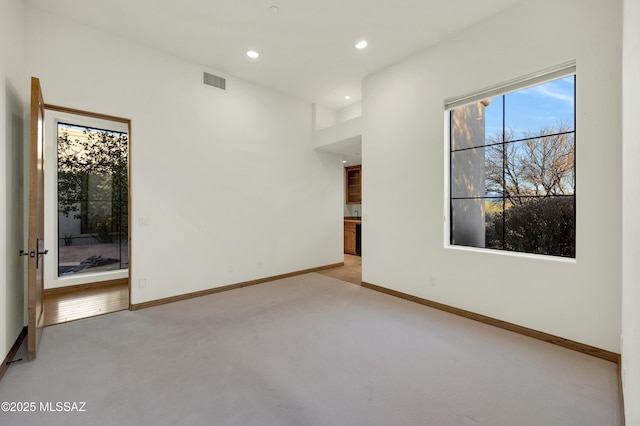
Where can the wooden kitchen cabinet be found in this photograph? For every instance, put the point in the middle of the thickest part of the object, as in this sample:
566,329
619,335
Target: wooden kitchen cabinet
353,179
350,238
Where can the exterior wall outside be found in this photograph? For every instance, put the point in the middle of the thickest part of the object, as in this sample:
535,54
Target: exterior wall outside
468,172
404,119
68,225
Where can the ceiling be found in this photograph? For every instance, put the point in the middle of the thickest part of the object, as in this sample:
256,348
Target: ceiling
306,48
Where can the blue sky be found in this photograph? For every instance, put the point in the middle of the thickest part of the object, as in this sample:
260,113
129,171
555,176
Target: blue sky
533,108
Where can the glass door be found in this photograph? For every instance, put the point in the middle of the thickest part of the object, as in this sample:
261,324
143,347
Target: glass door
93,182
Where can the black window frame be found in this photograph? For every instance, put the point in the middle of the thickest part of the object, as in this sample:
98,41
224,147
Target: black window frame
503,144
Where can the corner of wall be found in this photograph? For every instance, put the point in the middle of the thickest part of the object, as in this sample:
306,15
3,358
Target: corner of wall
12,119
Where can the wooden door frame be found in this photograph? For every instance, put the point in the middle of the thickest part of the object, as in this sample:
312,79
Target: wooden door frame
126,121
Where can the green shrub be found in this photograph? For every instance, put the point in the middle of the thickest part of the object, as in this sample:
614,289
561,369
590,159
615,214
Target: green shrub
541,226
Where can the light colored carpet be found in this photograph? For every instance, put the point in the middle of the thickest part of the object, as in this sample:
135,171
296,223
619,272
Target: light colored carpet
307,350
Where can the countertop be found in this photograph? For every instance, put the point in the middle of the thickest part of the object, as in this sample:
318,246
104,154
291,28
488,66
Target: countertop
352,220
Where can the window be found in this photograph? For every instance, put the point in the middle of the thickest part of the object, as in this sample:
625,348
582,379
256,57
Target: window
92,199
512,166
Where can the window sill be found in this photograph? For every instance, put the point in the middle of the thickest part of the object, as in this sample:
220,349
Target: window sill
531,256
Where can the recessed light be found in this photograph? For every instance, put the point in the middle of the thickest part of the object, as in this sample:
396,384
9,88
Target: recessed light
344,161
252,54
347,97
361,44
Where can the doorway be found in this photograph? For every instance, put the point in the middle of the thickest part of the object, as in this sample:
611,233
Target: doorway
87,206
353,219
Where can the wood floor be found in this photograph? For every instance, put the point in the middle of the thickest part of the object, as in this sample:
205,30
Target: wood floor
65,306
350,272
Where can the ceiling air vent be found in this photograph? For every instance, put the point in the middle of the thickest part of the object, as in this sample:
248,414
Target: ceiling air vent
214,80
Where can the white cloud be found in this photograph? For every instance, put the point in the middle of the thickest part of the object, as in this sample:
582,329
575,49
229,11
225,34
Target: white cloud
550,90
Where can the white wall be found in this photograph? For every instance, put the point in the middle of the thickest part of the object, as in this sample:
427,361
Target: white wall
404,120
340,134
323,117
12,149
630,209
351,111
228,182
326,117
